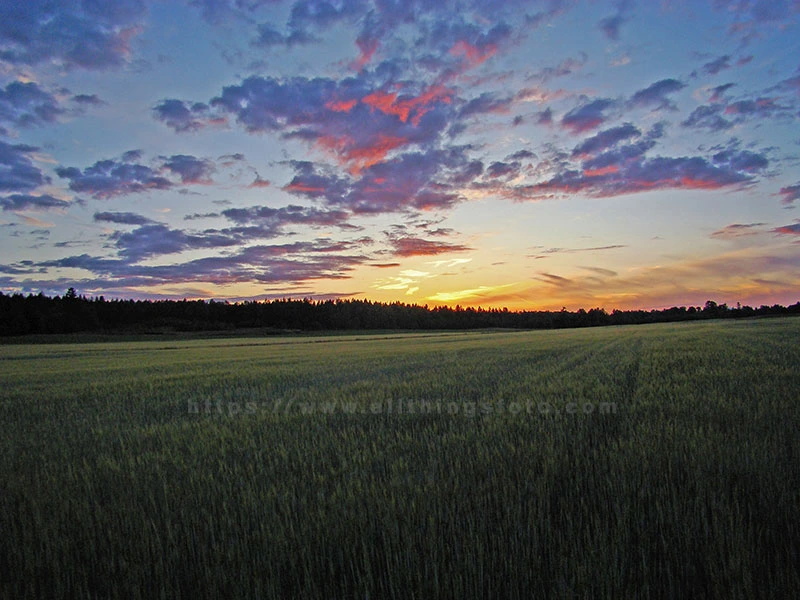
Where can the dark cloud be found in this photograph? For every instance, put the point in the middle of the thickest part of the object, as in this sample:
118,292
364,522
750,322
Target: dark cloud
761,108
190,168
709,117
717,65
122,218
486,103
717,94
272,221
611,25
588,116
32,202
27,104
88,100
17,171
656,95
351,120
109,178
521,155
790,194
637,175
185,116
741,160
414,180
500,169
155,239
90,35
606,139
308,18
413,246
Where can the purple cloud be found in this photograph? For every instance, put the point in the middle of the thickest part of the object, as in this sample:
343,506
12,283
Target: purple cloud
606,139
89,35
793,229
27,104
31,202
17,171
790,194
155,239
587,116
122,218
184,116
109,178
709,117
656,95
741,160
190,169
717,65
611,25
637,175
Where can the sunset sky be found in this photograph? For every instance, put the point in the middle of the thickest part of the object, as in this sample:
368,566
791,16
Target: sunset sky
528,154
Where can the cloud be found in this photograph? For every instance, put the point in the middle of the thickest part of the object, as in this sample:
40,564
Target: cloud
717,65
410,181
190,169
119,177
352,121
413,246
481,293
109,178
741,160
185,116
588,116
717,93
265,221
88,35
656,95
487,102
709,117
122,218
500,169
790,194
155,239
27,105
738,230
87,100
793,229
606,139
31,202
308,17
750,17
219,11
762,108
637,175
285,263
578,250
17,171
610,26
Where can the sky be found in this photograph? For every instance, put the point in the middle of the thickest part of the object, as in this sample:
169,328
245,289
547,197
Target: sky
528,154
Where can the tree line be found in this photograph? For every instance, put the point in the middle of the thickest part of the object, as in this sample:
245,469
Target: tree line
72,313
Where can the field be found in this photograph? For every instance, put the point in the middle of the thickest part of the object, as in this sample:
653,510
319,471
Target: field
619,462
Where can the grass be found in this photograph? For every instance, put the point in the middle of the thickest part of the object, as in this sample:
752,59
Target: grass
648,461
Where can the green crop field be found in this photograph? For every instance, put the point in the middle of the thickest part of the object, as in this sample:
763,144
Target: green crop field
619,462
